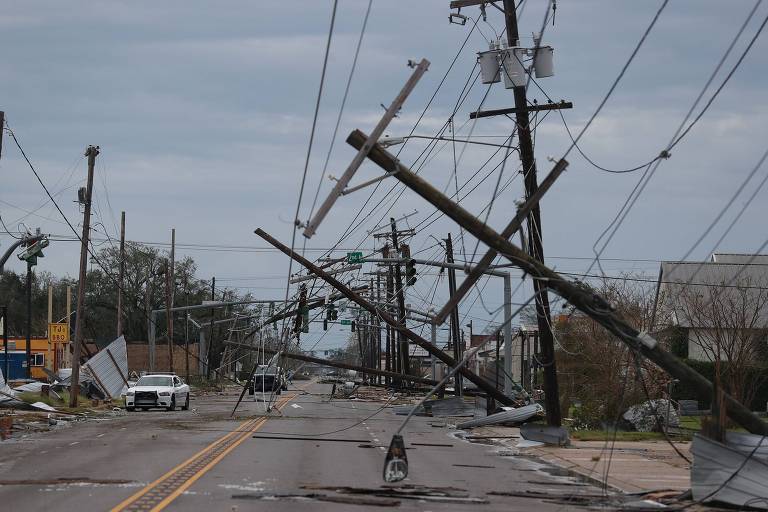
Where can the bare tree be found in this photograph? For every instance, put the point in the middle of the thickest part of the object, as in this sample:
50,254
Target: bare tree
726,323
596,369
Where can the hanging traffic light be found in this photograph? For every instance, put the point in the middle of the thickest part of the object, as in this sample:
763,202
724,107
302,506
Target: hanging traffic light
33,251
353,326
410,265
325,324
410,272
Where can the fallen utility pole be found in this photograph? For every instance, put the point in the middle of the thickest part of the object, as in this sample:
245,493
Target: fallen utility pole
480,382
377,132
91,153
581,296
334,364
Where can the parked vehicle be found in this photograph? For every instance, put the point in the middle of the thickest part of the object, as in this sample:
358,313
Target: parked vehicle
268,379
158,390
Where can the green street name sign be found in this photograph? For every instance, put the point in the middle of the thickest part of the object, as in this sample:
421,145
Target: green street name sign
346,322
354,257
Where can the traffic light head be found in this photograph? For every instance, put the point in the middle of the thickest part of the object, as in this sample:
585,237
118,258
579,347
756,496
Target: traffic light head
33,251
410,272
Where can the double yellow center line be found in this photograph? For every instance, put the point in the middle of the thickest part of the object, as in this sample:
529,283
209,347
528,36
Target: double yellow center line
159,494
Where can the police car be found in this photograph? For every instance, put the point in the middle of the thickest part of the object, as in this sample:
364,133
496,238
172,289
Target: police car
154,390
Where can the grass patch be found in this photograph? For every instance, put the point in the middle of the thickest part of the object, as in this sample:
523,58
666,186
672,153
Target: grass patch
691,422
607,435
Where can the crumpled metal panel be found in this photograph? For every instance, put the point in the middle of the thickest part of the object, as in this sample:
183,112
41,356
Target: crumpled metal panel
106,375
5,388
512,416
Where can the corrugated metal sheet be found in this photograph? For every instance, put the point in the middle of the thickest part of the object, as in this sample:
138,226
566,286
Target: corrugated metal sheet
107,375
5,388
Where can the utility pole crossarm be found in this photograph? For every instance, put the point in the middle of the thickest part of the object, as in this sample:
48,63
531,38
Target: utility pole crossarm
514,110
481,383
578,294
377,132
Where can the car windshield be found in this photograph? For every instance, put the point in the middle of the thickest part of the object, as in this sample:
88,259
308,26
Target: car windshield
155,380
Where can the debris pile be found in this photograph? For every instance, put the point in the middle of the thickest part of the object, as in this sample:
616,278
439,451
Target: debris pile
652,415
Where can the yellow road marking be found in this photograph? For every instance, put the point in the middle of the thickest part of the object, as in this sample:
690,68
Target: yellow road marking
243,430
204,470
154,484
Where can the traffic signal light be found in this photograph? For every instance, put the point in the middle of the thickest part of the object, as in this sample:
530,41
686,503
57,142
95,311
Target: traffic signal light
353,326
325,324
410,272
33,251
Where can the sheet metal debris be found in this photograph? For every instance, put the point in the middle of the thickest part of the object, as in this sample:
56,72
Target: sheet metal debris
557,436
518,415
454,406
109,367
734,474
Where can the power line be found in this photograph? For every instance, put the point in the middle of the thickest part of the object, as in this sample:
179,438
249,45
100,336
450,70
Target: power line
648,174
341,110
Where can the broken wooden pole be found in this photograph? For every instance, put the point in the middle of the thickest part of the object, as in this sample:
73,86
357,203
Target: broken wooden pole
480,382
580,295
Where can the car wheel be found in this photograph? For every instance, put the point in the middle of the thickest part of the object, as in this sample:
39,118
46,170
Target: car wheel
173,404
185,407
130,409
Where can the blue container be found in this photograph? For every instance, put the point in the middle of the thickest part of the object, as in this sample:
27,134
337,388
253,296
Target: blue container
17,365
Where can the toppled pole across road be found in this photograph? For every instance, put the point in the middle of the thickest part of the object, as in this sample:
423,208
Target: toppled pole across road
480,382
580,295
334,364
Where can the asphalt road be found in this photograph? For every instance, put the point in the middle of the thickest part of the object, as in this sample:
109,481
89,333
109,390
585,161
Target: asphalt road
204,460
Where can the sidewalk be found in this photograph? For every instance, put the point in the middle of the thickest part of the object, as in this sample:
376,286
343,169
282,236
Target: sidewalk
633,466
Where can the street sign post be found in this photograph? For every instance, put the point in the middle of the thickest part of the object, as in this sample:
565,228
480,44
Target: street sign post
346,322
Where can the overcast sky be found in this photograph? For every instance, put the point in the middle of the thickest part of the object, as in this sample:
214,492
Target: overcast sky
203,112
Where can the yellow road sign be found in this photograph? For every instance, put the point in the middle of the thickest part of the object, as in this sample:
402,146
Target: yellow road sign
58,333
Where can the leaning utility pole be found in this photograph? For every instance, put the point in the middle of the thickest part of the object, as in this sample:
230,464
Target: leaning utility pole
5,343
170,284
29,320
402,342
535,244
516,78
581,296
480,382
458,385
209,351
91,153
121,277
